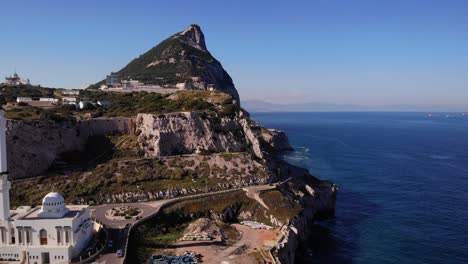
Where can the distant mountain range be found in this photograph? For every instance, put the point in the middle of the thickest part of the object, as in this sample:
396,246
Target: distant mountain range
263,106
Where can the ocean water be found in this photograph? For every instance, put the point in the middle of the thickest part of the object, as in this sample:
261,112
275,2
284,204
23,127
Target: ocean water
402,178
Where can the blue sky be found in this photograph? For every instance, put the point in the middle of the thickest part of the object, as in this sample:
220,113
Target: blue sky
411,52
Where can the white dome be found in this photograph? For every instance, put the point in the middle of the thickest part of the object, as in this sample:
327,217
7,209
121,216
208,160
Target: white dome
53,205
53,198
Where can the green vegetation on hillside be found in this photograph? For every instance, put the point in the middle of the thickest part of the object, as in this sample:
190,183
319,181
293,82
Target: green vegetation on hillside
281,207
177,62
10,93
121,104
130,104
112,164
164,229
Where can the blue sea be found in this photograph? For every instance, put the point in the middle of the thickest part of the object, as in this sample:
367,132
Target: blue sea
402,178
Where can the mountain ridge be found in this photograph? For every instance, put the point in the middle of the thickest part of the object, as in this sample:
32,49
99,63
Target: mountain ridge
181,60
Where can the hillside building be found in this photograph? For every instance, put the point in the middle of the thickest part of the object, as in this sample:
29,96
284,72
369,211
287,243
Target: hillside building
49,99
53,233
70,92
23,99
113,80
14,79
131,84
69,100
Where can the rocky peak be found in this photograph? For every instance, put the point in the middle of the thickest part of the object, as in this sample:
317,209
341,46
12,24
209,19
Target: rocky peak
181,61
193,36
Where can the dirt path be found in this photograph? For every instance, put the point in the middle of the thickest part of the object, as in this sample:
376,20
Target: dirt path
215,253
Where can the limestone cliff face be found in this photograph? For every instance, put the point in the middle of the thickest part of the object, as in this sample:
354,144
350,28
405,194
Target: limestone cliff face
33,146
191,132
318,199
187,133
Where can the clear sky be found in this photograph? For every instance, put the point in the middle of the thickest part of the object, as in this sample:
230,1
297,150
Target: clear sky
348,52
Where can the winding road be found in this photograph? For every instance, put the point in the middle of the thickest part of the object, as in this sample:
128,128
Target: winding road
118,230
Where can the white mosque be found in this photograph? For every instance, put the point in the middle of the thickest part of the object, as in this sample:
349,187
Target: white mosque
53,233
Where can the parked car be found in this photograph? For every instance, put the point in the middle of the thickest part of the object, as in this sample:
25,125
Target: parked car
110,243
119,253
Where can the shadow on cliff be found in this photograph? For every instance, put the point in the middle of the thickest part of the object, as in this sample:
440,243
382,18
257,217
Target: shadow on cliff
337,240
98,149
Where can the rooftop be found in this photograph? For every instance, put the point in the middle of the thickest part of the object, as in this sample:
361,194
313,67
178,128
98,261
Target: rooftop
33,214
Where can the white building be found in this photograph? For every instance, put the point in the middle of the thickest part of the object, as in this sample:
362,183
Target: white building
23,99
52,233
49,99
69,100
14,79
131,84
70,92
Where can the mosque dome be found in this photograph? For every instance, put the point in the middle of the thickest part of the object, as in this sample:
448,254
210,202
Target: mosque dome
53,205
53,198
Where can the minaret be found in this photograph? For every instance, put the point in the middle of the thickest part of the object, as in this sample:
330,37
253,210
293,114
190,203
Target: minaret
4,183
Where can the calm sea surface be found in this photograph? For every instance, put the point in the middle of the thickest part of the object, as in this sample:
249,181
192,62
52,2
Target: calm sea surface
402,178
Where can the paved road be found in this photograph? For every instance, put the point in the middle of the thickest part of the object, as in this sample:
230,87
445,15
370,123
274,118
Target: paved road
118,232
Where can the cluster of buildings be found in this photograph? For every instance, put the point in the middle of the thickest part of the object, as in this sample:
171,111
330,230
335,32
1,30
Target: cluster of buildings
15,80
69,98
46,102
52,233
114,83
113,80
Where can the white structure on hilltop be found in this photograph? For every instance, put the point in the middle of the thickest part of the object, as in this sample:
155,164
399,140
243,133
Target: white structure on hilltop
53,233
14,79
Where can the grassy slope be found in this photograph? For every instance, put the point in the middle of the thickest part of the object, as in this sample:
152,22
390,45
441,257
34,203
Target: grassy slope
110,164
122,104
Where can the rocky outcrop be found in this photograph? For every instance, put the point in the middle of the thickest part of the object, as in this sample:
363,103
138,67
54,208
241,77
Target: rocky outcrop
191,132
187,133
34,145
318,201
193,36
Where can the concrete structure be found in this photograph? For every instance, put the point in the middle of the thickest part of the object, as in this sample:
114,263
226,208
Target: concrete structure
52,233
113,80
69,100
182,86
23,99
49,99
131,84
70,92
14,79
